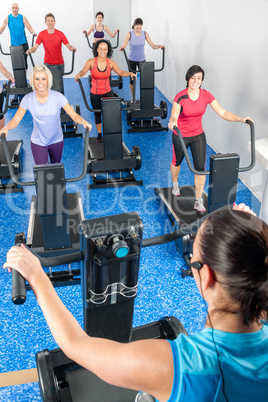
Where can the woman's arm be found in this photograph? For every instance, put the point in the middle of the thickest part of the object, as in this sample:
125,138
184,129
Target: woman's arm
127,38
227,115
6,73
148,39
14,122
114,66
76,117
112,35
143,365
88,66
175,112
91,29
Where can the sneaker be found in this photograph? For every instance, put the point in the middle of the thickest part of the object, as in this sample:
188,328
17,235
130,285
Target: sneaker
99,138
199,205
143,397
175,191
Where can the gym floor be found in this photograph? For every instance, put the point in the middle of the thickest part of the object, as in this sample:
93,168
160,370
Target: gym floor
161,290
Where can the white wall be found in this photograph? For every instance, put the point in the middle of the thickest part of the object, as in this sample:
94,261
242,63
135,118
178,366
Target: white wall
71,18
227,38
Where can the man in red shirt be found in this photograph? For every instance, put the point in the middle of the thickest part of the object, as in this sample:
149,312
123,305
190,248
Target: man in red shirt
52,40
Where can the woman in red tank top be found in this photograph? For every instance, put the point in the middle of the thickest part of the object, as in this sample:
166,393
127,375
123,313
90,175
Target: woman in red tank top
100,67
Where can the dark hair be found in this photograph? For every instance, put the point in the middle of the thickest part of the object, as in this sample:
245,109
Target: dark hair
49,15
96,45
192,71
234,244
99,13
137,21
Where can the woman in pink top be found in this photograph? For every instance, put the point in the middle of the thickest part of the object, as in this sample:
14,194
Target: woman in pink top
188,109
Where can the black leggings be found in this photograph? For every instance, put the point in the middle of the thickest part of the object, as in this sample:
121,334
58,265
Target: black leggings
133,66
198,148
25,48
96,104
1,104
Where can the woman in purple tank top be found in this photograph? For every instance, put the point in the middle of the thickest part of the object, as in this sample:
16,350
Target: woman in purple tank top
45,106
99,28
136,39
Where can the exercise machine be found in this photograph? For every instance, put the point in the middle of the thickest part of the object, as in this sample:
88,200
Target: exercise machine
69,127
222,189
144,116
54,214
115,81
21,87
110,249
112,155
15,149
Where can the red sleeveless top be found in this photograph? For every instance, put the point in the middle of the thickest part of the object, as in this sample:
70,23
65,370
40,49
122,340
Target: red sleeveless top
100,79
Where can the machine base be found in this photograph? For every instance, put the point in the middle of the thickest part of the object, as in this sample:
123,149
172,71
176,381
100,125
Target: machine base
62,380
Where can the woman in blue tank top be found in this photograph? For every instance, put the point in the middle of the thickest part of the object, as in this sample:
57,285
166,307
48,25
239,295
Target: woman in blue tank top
227,361
99,28
136,39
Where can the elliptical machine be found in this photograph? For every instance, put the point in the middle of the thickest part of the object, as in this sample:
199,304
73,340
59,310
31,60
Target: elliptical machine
110,254
15,150
222,189
112,155
21,87
143,117
55,214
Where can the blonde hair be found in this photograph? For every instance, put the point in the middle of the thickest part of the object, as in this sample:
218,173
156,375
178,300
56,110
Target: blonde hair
41,67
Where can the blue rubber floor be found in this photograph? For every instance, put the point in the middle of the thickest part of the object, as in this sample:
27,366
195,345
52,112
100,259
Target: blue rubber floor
161,290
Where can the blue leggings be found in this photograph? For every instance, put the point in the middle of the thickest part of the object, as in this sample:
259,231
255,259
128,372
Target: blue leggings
40,154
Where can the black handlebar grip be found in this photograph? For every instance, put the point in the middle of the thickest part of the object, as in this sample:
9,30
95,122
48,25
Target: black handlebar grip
18,282
18,288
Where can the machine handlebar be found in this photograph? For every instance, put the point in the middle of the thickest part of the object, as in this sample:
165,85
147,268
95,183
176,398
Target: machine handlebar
7,98
91,47
32,183
1,50
163,61
33,36
30,55
18,282
10,166
252,146
131,105
72,66
155,70
84,172
241,169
